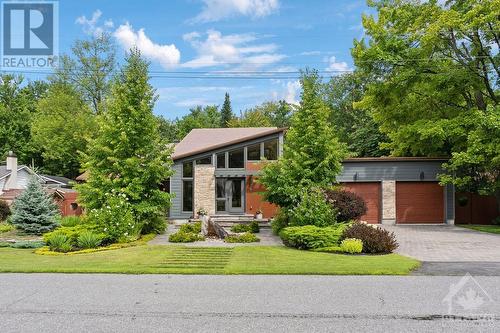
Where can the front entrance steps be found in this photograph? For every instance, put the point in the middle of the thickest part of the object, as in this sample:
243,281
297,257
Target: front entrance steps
227,221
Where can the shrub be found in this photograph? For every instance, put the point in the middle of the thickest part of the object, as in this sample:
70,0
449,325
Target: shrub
4,227
311,237
496,220
185,237
349,206
71,233
194,228
70,221
88,240
154,225
375,240
27,245
252,227
4,210
279,221
312,210
351,245
247,237
59,242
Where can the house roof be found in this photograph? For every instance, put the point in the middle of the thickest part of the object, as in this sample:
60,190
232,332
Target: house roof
396,159
201,140
57,179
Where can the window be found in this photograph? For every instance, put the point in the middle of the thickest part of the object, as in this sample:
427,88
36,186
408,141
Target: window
165,186
271,149
187,195
253,152
187,169
221,161
204,160
220,195
74,206
236,159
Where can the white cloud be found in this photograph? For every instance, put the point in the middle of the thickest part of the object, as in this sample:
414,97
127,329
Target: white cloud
215,10
310,53
168,56
236,49
292,92
91,25
337,66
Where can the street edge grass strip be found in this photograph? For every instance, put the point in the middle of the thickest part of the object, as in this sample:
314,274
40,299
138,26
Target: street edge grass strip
141,241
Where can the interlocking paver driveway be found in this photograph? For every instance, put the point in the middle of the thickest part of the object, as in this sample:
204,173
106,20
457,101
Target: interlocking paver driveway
446,243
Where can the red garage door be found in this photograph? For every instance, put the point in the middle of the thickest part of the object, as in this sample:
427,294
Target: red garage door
419,202
370,192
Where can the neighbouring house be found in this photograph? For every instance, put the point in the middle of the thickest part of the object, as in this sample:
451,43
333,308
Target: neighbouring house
216,169
14,179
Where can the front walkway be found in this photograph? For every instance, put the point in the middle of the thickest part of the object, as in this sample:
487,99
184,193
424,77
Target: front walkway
446,243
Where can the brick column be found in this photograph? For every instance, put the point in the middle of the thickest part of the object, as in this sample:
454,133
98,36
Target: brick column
388,202
204,188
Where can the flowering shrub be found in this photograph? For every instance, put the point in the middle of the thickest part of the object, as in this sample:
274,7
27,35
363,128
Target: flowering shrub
115,219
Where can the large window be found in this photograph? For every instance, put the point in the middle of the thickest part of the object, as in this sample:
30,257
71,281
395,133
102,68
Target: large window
187,169
204,160
187,195
253,152
271,149
236,159
221,161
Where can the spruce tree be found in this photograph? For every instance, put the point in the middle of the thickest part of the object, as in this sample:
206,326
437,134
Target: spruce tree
128,158
226,112
34,211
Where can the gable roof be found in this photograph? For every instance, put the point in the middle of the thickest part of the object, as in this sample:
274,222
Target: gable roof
57,179
201,140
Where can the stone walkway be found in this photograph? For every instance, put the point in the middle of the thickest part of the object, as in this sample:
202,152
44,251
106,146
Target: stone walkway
445,243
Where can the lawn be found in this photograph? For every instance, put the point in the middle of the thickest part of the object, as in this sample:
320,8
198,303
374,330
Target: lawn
492,229
213,260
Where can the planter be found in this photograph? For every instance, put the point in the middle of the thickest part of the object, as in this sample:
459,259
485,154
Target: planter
259,216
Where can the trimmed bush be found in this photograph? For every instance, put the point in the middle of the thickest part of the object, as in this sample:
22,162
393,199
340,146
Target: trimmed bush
4,210
154,225
247,237
27,245
185,237
312,210
71,233
311,237
4,227
59,242
252,227
349,206
88,240
194,228
351,245
71,221
375,240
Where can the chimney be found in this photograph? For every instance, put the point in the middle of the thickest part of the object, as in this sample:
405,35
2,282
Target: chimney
12,166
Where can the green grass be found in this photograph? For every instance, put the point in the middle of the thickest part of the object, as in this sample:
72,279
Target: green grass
492,229
213,260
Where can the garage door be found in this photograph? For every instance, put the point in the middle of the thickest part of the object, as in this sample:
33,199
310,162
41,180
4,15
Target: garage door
370,192
419,202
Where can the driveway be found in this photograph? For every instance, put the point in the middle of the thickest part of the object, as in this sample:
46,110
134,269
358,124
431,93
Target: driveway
449,250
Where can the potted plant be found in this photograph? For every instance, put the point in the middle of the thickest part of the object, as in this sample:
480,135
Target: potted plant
258,214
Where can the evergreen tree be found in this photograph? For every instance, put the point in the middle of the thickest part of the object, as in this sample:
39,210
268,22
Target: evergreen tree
226,112
34,211
128,158
312,155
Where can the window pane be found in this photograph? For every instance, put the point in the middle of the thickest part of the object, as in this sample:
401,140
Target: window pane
187,195
221,188
204,160
253,152
271,149
221,161
236,159
187,169
221,205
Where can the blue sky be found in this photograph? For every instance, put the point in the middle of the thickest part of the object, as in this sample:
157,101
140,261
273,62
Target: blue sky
209,37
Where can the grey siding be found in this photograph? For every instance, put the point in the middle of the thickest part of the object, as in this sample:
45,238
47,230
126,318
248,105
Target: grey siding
450,202
399,171
176,189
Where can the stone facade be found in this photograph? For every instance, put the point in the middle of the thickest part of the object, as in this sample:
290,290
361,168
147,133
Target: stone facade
388,202
204,188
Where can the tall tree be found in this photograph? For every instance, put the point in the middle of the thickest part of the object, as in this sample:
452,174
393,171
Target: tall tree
128,156
226,112
89,69
267,114
198,117
312,155
60,130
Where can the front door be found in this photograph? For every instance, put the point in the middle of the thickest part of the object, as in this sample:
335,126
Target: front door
230,195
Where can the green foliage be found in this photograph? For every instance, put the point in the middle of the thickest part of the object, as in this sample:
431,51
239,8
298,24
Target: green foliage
267,114
26,245
4,227
127,156
311,237
247,237
280,221
351,245
375,239
226,113
312,155
252,227
155,224
61,127
88,240
348,205
185,237
313,209
191,228
59,242
71,233
71,221
4,210
198,117
34,211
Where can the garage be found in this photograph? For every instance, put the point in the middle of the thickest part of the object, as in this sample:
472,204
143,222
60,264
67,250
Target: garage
370,192
419,202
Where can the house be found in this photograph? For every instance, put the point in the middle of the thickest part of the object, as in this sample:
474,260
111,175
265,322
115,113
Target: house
14,178
216,169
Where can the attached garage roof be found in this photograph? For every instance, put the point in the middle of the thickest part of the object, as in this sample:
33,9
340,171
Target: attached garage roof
201,140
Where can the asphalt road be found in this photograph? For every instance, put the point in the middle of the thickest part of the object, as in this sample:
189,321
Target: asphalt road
172,303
